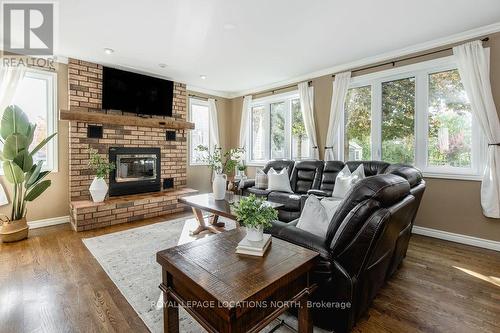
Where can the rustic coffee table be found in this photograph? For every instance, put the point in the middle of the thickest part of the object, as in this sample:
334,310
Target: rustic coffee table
228,292
206,202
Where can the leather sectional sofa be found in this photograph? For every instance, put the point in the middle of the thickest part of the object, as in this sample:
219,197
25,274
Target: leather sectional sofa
367,238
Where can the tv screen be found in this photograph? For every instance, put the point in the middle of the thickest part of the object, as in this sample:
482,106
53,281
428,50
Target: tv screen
132,92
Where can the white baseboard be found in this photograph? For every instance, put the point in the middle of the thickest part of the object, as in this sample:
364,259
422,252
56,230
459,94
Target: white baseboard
457,238
48,222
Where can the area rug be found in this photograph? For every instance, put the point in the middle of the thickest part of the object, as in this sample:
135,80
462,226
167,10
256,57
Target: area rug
129,259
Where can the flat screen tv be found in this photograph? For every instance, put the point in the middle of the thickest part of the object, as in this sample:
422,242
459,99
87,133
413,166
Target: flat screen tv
137,93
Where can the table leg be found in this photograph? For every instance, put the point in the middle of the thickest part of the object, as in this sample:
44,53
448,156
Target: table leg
202,226
214,220
304,317
170,315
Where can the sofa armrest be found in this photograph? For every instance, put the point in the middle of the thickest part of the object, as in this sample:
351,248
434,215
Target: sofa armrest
292,234
319,193
246,183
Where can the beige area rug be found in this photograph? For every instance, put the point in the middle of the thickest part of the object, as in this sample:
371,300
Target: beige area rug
129,259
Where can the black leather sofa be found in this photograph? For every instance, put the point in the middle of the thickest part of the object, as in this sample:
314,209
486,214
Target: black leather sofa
366,241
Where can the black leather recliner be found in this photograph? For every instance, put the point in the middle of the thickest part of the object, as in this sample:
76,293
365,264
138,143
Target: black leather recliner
304,176
366,241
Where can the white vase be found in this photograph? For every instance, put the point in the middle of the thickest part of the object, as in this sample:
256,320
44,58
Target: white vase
255,234
219,186
98,189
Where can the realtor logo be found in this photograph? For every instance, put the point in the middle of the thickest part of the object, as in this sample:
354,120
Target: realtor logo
28,28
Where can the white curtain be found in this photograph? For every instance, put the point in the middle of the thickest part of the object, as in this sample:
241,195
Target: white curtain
474,69
245,111
339,93
10,77
306,95
214,123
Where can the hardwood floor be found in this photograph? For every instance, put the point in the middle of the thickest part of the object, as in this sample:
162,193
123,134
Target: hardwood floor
51,283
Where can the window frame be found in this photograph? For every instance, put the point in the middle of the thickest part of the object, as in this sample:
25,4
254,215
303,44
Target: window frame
52,162
421,72
266,102
199,102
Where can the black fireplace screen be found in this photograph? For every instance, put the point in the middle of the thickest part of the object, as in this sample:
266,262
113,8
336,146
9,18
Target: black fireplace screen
137,170
135,167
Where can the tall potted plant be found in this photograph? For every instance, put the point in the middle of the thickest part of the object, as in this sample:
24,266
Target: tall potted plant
220,163
26,177
99,188
255,214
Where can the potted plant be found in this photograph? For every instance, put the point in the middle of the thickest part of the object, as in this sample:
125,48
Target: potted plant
240,170
220,163
99,188
26,177
255,214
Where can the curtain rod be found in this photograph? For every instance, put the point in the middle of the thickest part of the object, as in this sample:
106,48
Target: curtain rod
393,62
200,97
279,89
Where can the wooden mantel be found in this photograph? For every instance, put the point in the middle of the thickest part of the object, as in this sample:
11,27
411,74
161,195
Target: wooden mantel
104,118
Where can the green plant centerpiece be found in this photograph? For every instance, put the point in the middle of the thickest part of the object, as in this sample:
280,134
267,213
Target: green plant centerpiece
220,163
26,176
99,188
255,214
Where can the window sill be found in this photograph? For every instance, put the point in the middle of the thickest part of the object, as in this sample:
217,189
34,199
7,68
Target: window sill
452,176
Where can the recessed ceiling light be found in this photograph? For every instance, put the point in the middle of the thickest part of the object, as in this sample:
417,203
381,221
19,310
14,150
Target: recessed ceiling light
162,65
109,51
203,77
229,26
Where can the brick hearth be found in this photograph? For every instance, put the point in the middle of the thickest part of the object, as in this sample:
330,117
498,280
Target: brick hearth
85,89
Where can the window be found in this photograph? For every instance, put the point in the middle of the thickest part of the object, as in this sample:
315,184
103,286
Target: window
417,114
357,141
36,96
277,129
198,114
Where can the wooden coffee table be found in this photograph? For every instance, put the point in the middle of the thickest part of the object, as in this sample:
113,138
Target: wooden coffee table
228,292
206,202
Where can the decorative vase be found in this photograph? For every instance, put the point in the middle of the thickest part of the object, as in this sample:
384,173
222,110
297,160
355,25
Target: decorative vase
219,186
13,231
255,234
98,189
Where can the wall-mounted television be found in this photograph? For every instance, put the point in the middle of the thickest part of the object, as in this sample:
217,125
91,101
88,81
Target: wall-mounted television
137,93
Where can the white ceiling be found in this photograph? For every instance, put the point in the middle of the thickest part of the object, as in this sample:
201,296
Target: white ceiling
267,42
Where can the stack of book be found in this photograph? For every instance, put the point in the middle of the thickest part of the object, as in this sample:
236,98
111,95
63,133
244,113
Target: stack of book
254,248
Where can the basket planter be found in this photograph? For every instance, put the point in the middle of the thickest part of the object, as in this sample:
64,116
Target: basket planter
14,231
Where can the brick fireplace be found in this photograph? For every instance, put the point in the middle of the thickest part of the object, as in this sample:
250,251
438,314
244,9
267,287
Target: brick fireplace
85,89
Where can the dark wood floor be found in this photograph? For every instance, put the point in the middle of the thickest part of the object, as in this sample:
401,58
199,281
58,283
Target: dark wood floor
51,283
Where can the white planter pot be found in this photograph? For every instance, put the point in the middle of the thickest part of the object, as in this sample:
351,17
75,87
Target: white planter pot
255,234
219,186
98,189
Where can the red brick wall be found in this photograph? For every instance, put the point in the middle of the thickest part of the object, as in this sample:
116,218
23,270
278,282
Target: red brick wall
85,88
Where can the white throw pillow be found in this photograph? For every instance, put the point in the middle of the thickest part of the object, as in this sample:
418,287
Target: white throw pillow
345,180
278,181
317,214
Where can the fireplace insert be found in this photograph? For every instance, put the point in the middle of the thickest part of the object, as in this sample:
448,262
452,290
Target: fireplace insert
138,170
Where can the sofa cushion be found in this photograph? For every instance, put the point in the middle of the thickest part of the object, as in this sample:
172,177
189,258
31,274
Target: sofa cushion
317,214
279,165
291,201
261,179
408,172
345,180
372,168
278,181
330,171
306,175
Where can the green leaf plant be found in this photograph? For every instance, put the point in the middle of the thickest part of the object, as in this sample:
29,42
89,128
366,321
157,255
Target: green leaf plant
218,161
26,177
98,164
254,212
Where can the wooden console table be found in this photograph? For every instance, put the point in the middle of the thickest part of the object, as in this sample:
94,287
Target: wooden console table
227,292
